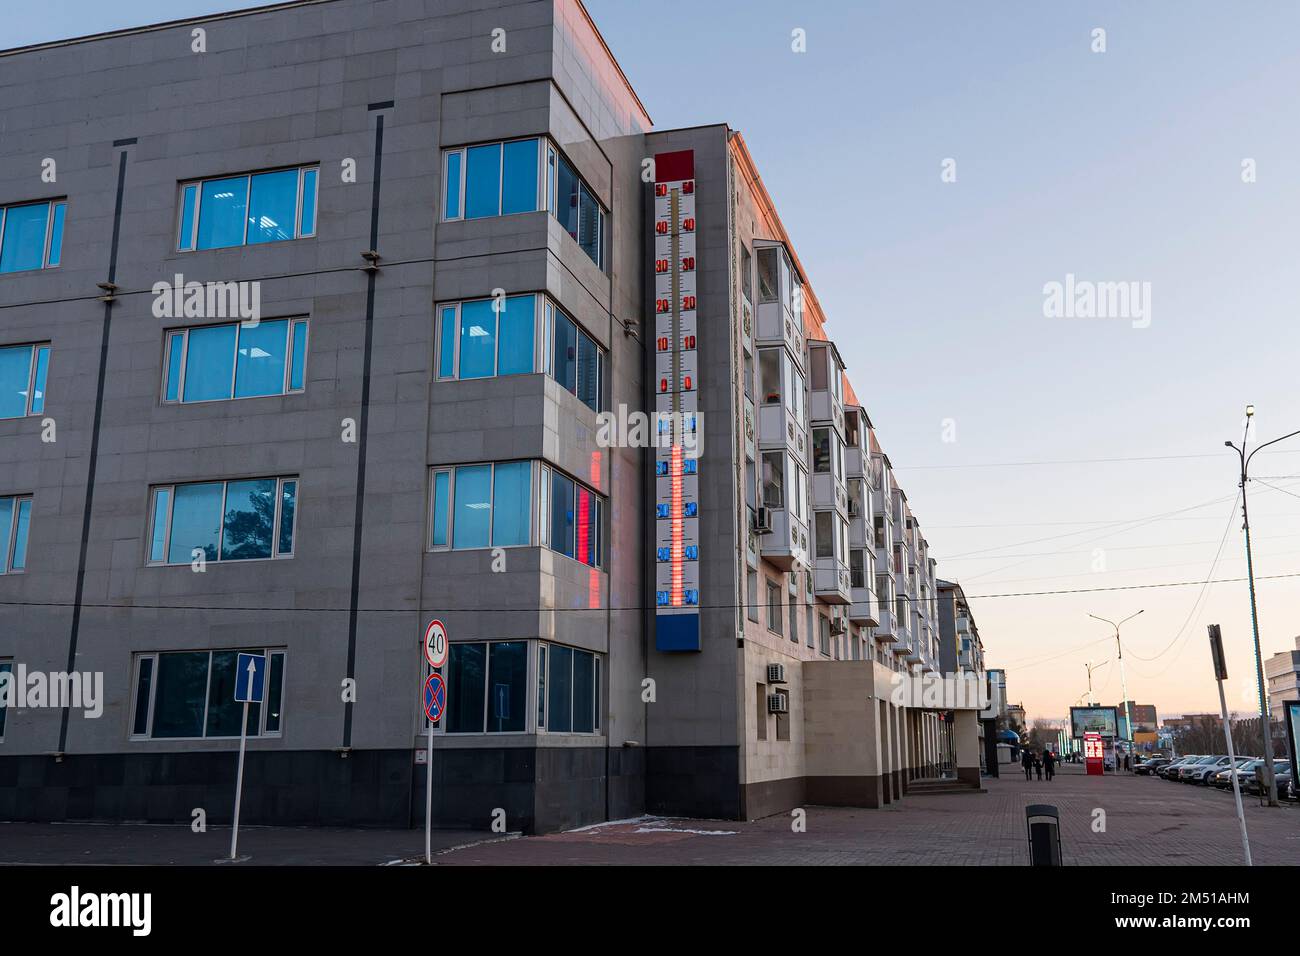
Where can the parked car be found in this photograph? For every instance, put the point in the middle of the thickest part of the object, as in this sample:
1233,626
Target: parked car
1170,771
1244,770
1281,771
1195,772
1149,767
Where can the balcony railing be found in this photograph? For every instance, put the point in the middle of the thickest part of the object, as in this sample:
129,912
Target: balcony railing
863,610
787,543
831,581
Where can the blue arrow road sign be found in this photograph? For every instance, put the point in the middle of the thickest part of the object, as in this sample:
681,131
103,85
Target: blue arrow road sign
250,678
435,697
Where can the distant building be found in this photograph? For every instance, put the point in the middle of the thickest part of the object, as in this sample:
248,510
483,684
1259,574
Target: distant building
1145,720
1282,671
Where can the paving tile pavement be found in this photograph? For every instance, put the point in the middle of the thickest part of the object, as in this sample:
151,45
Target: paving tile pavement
1142,822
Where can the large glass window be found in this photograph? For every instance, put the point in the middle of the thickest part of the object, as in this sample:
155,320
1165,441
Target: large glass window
223,520
15,521
575,206
767,273
480,338
219,362
487,687
574,517
480,506
492,179
247,209
569,686
31,235
192,694
23,370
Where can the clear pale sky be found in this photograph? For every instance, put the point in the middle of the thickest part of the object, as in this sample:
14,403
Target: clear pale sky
1117,166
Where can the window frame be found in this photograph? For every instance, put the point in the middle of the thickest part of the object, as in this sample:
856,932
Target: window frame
545,472
51,206
137,664
450,471
463,151
11,542
531,721
197,209
550,167
289,357
543,680
33,365
546,313
276,553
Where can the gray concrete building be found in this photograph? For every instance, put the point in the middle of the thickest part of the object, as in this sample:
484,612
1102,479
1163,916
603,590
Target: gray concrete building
326,308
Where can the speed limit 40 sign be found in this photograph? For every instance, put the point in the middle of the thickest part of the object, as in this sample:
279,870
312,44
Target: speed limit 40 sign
435,644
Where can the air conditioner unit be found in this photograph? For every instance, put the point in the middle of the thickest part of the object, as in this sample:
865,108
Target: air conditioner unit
763,520
778,703
776,673
839,625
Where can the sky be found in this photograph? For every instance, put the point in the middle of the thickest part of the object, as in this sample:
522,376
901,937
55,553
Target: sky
1040,453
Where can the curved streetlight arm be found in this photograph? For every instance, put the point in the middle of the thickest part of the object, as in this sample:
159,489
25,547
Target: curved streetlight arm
1260,448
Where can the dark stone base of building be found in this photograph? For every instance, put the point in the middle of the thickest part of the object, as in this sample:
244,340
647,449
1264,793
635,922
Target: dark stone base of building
693,782
540,789
319,788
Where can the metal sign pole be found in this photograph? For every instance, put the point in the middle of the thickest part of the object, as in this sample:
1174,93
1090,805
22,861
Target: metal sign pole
1221,674
428,800
239,779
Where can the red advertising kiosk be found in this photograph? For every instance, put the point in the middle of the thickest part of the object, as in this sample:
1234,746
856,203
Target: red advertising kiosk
1094,753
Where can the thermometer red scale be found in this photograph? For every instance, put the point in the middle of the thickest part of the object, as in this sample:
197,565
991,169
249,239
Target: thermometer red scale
677,522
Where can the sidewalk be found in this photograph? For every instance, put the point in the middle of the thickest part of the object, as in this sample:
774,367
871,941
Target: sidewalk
1147,822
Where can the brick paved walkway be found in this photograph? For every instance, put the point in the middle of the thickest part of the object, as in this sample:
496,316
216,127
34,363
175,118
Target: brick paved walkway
1148,821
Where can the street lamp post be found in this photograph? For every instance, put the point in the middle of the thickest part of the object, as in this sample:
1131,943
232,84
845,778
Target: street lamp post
1123,682
1092,667
1269,780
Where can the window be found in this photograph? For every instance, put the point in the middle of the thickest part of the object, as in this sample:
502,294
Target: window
23,369
752,595
573,518
31,235
247,209
760,709
241,520
746,267
184,694
15,518
487,687
574,205
492,179
767,271
6,668
824,634
774,479
516,336
568,680
774,607
821,449
481,506
817,358
794,620
213,363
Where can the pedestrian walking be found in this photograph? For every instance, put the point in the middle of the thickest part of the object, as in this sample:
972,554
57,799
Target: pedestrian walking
1049,764
1027,762
1038,765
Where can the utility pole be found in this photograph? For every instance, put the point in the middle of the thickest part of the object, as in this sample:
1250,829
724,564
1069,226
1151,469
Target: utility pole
1123,682
1270,782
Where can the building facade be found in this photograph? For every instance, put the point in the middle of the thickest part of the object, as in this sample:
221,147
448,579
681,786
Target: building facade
331,318
1282,672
